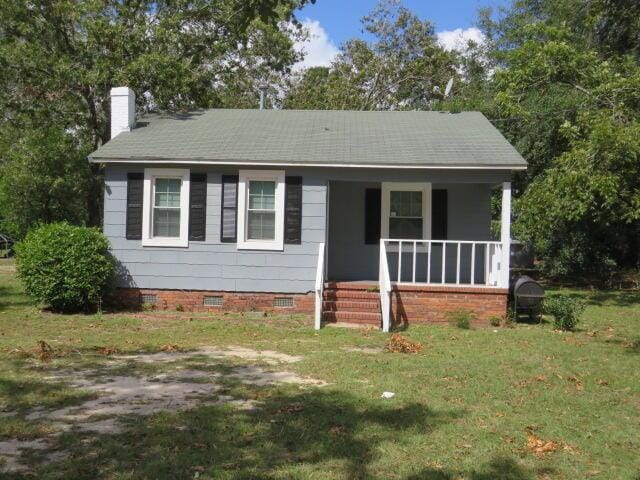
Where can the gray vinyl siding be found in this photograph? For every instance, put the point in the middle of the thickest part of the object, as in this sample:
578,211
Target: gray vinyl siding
213,265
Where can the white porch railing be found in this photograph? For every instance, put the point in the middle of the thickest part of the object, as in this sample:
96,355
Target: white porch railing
444,262
319,286
384,287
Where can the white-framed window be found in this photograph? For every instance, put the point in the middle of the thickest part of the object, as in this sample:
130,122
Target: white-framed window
406,210
261,209
165,213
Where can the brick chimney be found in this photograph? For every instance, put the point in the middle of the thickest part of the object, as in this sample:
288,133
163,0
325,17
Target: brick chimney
123,110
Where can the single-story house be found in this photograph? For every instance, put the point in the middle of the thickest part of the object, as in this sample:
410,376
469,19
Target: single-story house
371,217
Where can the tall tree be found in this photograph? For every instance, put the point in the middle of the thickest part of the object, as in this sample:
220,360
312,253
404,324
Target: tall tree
572,108
59,59
404,67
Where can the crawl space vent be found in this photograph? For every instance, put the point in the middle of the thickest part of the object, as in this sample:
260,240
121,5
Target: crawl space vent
148,299
283,302
212,301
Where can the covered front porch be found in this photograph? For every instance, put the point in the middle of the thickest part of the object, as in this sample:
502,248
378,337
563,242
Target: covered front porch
424,241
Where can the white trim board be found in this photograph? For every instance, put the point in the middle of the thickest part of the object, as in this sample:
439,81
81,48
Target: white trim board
150,174
321,165
388,187
244,177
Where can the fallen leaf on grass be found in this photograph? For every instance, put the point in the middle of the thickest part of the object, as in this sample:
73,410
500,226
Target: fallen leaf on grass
44,351
569,449
21,352
577,382
399,344
538,446
541,378
170,347
106,351
632,344
293,408
573,341
337,430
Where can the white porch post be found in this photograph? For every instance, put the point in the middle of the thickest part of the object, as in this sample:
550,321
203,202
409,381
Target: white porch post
505,234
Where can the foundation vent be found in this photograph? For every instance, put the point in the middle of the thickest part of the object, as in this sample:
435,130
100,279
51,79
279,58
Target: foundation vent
212,301
148,299
283,302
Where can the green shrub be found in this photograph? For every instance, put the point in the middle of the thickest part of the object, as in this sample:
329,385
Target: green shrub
66,267
566,311
495,321
461,318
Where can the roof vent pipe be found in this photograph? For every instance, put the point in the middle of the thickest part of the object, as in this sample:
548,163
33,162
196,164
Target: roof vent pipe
263,91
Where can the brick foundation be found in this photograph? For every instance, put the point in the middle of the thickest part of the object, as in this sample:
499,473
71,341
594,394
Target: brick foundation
409,304
432,304
193,300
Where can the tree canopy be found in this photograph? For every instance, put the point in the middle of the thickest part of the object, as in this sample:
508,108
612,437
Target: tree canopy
59,59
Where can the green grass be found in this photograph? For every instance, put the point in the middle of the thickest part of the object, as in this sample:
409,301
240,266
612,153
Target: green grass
461,409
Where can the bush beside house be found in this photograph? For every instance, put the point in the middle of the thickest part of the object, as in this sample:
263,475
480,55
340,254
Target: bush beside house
66,267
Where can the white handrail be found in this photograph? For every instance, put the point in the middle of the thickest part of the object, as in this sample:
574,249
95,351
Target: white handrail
463,267
319,286
384,287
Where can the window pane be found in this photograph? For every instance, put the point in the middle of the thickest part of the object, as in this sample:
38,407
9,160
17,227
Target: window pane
167,192
406,204
166,222
262,195
405,228
261,226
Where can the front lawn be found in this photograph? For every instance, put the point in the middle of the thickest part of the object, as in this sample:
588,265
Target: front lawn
513,403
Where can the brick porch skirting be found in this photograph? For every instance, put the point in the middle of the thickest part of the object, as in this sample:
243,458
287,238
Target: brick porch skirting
432,304
194,300
409,304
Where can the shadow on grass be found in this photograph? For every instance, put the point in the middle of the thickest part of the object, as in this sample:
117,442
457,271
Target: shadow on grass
499,468
629,345
290,435
25,393
10,298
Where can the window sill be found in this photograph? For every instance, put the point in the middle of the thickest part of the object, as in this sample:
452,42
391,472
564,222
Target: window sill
165,242
258,245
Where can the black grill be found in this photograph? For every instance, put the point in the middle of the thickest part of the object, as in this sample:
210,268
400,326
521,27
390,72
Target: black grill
527,295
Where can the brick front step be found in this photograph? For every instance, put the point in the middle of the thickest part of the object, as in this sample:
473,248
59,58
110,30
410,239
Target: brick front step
351,285
347,294
353,317
350,306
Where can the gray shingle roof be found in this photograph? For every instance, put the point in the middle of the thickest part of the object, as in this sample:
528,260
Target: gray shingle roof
312,137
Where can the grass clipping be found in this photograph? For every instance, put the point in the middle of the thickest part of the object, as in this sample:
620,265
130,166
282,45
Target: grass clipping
399,344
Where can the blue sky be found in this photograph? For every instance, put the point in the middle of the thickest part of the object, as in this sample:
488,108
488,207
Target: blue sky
331,22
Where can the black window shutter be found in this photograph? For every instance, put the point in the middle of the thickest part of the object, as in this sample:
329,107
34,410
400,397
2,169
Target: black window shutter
373,197
198,206
439,215
135,182
229,214
293,210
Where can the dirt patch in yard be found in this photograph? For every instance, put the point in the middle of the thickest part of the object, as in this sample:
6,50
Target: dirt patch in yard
267,356
175,387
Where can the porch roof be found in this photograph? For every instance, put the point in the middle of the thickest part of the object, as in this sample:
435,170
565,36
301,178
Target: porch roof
315,138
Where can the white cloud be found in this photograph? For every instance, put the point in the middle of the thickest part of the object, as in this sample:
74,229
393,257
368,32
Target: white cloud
318,48
457,39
